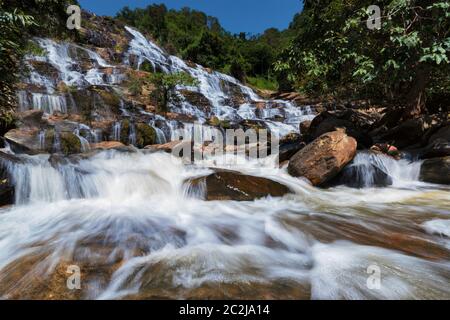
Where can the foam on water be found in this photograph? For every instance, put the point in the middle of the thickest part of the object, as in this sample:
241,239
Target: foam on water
189,243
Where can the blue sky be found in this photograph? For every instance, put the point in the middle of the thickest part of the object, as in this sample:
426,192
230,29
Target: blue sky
252,16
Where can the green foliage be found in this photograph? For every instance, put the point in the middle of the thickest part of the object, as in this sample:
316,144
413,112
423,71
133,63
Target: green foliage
19,21
263,83
165,84
135,86
195,36
333,49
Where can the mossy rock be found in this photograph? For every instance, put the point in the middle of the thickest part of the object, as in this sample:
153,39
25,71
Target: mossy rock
70,143
109,98
147,67
216,122
125,131
145,135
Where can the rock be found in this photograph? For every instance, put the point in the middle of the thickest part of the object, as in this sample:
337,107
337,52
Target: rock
70,143
386,149
355,123
6,183
323,159
436,170
30,118
229,185
108,145
405,134
24,140
197,99
304,126
361,176
145,135
438,144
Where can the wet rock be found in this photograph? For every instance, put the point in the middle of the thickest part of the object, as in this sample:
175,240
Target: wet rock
438,144
108,145
145,135
70,143
197,99
304,126
323,159
31,118
24,140
229,185
386,149
6,183
355,123
405,134
361,176
436,170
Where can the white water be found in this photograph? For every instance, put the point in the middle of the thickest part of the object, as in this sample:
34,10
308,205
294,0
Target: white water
134,208
49,103
216,87
129,222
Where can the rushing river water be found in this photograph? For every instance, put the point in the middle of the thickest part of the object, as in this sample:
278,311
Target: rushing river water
128,222
131,226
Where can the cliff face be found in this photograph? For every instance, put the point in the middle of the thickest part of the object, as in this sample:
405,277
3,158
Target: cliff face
82,88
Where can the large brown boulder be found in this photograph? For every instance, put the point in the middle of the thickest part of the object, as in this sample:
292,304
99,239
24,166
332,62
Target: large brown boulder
436,170
229,185
356,124
324,158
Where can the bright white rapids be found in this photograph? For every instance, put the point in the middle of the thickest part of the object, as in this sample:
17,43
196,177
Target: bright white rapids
134,208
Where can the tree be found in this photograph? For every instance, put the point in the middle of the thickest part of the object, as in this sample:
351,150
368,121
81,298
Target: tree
165,85
334,50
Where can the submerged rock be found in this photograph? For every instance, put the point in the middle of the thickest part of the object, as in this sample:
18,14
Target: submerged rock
361,176
229,185
436,170
323,159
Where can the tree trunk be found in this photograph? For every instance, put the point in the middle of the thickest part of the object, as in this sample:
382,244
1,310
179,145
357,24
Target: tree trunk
415,100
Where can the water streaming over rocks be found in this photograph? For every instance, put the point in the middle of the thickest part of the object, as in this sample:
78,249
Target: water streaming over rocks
137,228
130,214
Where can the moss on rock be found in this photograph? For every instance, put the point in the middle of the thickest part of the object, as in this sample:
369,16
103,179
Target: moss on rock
125,131
145,135
70,143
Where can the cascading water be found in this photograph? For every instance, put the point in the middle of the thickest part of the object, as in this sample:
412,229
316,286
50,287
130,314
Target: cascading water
216,87
49,103
129,214
117,131
85,145
131,224
132,135
369,170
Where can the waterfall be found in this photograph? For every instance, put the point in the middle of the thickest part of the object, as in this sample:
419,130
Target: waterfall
22,98
42,140
160,136
132,136
365,169
117,127
210,82
56,142
49,103
85,146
